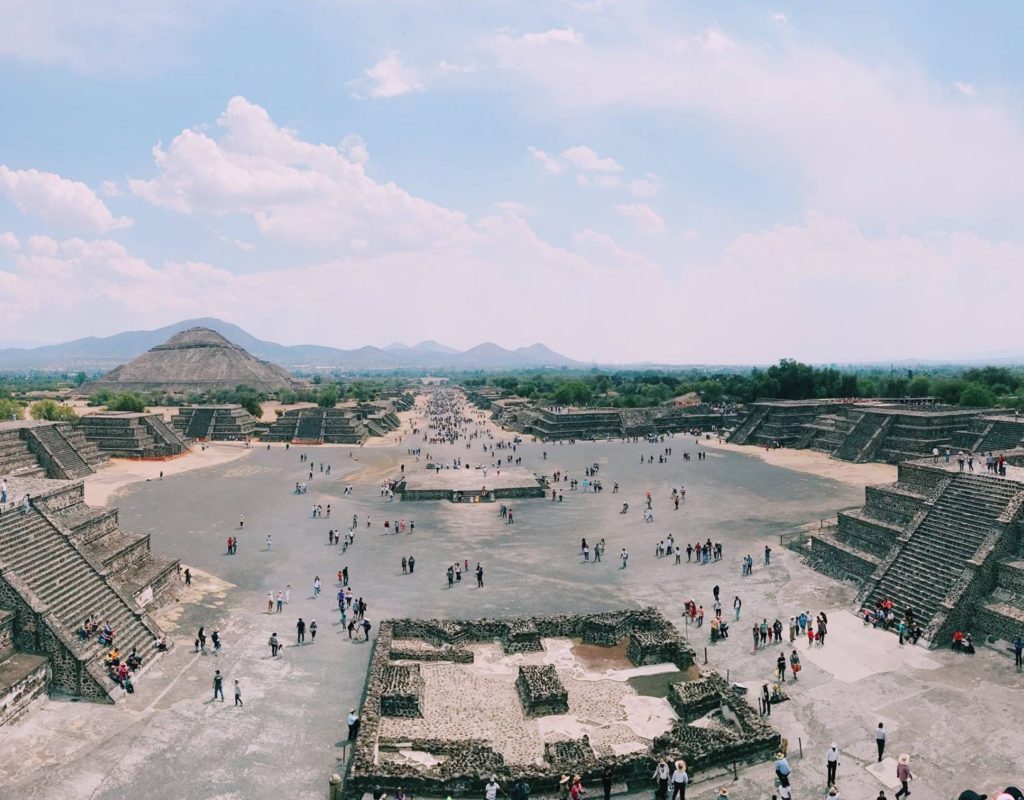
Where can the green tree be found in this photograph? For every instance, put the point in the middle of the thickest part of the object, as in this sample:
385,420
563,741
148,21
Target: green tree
80,378
921,386
127,401
11,409
327,397
974,395
52,411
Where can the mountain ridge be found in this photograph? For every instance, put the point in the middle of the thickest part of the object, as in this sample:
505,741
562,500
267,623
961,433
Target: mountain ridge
106,352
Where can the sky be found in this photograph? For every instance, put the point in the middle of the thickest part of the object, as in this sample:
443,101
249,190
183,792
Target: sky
621,180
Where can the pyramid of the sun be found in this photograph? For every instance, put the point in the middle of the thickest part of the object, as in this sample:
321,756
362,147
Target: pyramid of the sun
193,361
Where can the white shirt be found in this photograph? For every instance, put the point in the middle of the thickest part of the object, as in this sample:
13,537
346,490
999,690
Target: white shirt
491,790
833,755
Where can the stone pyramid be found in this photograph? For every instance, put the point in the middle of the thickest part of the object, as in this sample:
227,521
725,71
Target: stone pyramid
193,361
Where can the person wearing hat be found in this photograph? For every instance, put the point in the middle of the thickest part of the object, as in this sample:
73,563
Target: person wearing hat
492,788
679,780
662,774
903,775
968,794
831,764
833,792
576,792
782,769
563,788
724,792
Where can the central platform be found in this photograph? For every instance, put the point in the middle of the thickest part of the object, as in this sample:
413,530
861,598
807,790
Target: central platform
475,485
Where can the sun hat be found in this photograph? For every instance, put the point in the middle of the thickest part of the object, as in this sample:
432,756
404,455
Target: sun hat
904,758
780,754
563,779
723,792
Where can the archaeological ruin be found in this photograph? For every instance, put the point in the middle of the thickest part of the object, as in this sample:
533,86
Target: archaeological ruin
194,361
448,703
944,541
214,423
129,434
61,561
434,482
32,449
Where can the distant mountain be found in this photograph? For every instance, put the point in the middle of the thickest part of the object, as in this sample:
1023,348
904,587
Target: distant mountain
103,353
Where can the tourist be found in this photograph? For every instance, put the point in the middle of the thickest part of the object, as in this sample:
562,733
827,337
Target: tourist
736,605
270,542
757,635
576,792
767,555
218,685
280,601
241,521
479,576
353,724
215,638
275,645
624,558
492,788
661,774
316,587
606,782
366,627
270,602
794,664
880,740
201,640
238,694
903,775
780,664
831,764
188,576
782,769
1018,651
679,781
521,790
300,630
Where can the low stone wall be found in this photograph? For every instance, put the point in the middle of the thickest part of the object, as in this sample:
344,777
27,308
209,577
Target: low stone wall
831,558
541,690
23,678
401,690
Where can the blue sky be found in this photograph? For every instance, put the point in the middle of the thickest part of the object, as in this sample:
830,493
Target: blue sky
620,180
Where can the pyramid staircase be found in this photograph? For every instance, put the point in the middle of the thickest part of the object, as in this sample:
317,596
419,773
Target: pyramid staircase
58,581
746,429
942,547
201,423
16,459
65,460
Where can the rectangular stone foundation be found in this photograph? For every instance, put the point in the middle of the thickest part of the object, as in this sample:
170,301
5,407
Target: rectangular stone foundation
541,691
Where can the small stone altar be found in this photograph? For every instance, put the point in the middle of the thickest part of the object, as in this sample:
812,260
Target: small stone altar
541,690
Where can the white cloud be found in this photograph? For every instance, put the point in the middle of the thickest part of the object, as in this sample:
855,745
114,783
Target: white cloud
293,190
553,36
447,68
779,17
355,149
58,200
647,186
101,35
552,164
583,158
884,144
8,241
645,218
389,77
968,89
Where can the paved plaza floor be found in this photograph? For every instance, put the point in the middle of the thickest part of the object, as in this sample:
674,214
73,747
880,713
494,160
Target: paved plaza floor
958,717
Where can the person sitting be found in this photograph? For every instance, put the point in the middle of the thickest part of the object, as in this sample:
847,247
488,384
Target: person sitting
968,644
625,508
122,673
134,660
723,629
916,633
161,643
958,641
106,635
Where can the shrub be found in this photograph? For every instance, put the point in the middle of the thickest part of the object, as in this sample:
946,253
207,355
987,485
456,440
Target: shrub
52,411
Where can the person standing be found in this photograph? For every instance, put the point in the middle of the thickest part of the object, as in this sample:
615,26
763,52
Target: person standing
1018,651
353,724
479,576
736,605
903,775
780,665
238,694
188,576
624,557
412,568
880,740
831,764
606,783
300,629
679,781
492,788
218,685
312,631
275,645
662,775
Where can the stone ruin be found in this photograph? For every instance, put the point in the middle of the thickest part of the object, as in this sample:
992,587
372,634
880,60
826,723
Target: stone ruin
401,690
541,690
387,756
946,543
32,449
221,423
127,434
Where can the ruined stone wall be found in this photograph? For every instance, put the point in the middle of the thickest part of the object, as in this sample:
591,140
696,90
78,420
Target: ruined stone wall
17,696
541,691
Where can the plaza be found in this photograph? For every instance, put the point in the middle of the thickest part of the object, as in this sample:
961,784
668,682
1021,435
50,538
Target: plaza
290,735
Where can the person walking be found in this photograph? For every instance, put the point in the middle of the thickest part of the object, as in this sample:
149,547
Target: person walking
312,631
880,740
316,586
831,764
903,775
238,694
300,629
780,665
275,645
218,685
624,557
736,605
479,576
